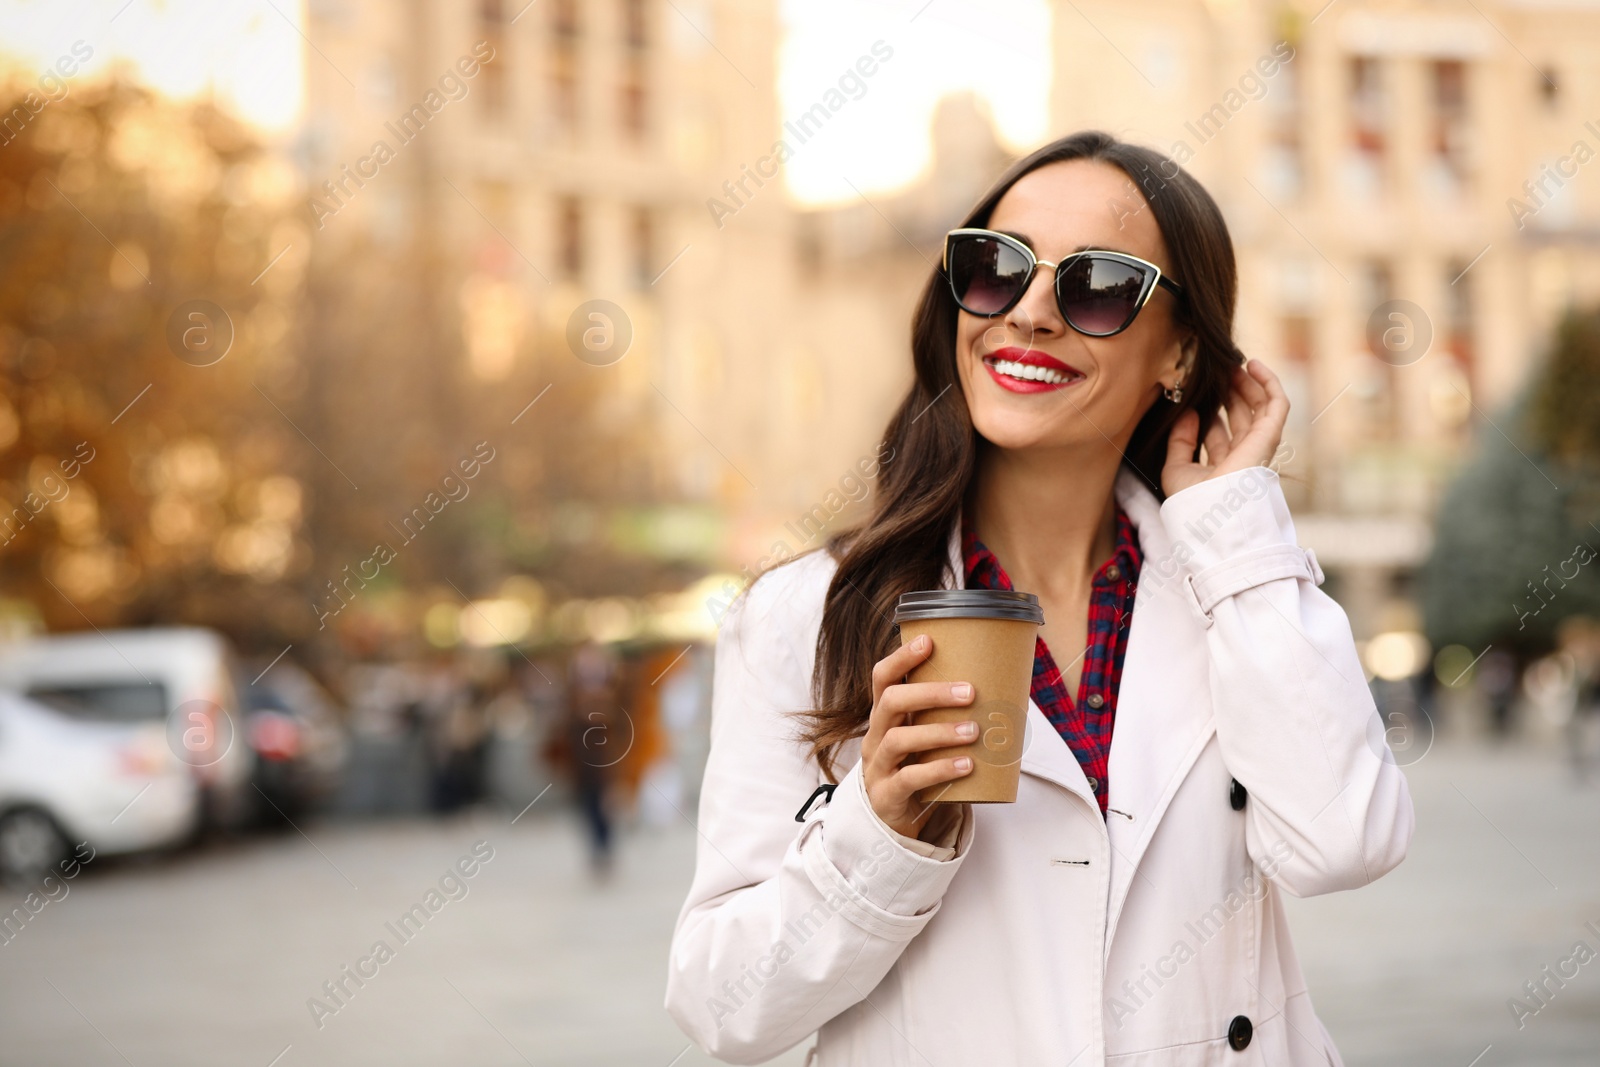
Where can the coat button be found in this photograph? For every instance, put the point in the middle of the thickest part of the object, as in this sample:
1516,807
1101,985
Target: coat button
1113,572
1239,1033
1096,700
1237,797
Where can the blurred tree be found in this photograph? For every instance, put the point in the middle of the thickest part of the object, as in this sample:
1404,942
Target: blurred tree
216,413
1566,397
1519,529
142,478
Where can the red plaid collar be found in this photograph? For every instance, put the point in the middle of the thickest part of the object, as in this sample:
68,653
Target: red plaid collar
1084,720
983,570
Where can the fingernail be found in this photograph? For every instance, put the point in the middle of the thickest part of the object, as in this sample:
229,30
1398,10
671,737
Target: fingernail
921,643
967,729
961,690
963,764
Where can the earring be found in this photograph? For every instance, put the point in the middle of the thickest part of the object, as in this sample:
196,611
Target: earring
1174,393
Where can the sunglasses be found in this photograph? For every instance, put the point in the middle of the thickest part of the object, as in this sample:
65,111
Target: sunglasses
1099,293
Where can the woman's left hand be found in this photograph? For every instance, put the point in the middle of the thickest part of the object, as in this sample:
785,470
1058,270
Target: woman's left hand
1257,409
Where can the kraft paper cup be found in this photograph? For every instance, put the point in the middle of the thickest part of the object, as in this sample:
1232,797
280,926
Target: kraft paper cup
985,637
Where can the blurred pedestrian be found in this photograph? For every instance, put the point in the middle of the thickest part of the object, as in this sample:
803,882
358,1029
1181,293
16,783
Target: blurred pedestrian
1497,678
1579,637
597,737
460,752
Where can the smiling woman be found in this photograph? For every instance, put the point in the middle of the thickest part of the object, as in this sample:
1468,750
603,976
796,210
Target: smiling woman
1078,407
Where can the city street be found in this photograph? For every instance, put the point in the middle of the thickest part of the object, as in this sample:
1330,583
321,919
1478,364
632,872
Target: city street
210,957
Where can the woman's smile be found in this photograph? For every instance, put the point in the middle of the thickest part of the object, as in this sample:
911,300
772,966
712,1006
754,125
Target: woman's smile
1029,370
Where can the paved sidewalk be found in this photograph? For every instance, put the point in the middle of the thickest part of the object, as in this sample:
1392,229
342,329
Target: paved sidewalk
210,957
1504,872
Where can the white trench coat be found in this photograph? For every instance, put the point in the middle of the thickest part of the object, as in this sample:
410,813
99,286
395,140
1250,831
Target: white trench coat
1247,761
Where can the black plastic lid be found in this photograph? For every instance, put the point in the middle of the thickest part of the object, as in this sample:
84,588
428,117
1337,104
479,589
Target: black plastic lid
969,604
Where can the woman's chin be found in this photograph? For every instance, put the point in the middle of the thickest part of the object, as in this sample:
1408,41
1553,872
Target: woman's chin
1070,431
1013,437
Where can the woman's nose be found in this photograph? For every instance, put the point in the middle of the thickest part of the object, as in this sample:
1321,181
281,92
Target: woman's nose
1036,314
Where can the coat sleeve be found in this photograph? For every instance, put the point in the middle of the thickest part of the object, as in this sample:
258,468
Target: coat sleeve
1328,807
786,924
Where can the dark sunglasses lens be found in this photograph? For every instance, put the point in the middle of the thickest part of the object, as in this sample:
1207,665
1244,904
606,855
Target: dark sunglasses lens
1099,296
985,274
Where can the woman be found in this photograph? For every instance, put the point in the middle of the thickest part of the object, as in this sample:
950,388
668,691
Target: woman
1126,909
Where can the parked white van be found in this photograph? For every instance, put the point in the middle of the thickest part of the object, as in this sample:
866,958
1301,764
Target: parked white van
178,680
75,787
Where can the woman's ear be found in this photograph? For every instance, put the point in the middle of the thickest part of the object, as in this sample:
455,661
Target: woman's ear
1188,352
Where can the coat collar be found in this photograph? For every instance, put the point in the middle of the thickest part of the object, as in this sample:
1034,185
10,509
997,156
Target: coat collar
1164,715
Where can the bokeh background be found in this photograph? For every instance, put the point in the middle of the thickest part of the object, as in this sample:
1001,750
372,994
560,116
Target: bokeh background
395,392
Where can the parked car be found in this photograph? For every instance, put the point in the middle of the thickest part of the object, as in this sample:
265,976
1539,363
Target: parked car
180,678
66,780
296,732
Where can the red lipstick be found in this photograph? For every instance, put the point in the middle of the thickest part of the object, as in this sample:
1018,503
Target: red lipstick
1027,370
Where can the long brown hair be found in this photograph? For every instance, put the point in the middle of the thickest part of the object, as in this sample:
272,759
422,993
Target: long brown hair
902,546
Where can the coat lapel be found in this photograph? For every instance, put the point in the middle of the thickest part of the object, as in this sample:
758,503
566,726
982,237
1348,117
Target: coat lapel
1163,702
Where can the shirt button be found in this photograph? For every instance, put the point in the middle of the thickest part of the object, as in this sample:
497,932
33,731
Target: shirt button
1096,700
1113,572
1094,783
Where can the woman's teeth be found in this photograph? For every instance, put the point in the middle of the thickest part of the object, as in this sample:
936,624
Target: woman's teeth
1029,372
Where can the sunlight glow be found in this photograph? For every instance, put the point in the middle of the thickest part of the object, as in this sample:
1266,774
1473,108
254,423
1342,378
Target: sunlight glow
245,53
879,140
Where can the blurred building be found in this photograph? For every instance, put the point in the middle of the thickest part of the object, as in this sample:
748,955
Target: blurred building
1364,153
580,163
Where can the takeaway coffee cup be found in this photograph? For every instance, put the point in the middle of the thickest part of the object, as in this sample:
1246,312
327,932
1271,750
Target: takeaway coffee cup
985,637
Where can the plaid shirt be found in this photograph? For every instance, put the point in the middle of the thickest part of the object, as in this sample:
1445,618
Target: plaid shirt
1085,723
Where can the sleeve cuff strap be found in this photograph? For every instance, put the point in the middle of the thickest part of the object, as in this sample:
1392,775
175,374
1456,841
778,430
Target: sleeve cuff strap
890,890
1255,567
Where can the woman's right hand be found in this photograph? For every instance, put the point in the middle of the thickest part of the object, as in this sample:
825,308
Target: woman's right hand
891,782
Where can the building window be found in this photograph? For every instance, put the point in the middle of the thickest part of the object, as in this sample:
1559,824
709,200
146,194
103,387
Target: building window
569,230
1388,338
1297,340
633,93
635,31
808,245
1450,378
492,76
1458,326
1450,131
1285,149
1369,119
1286,119
1298,374
564,45
1550,88
644,246
1368,108
1375,285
